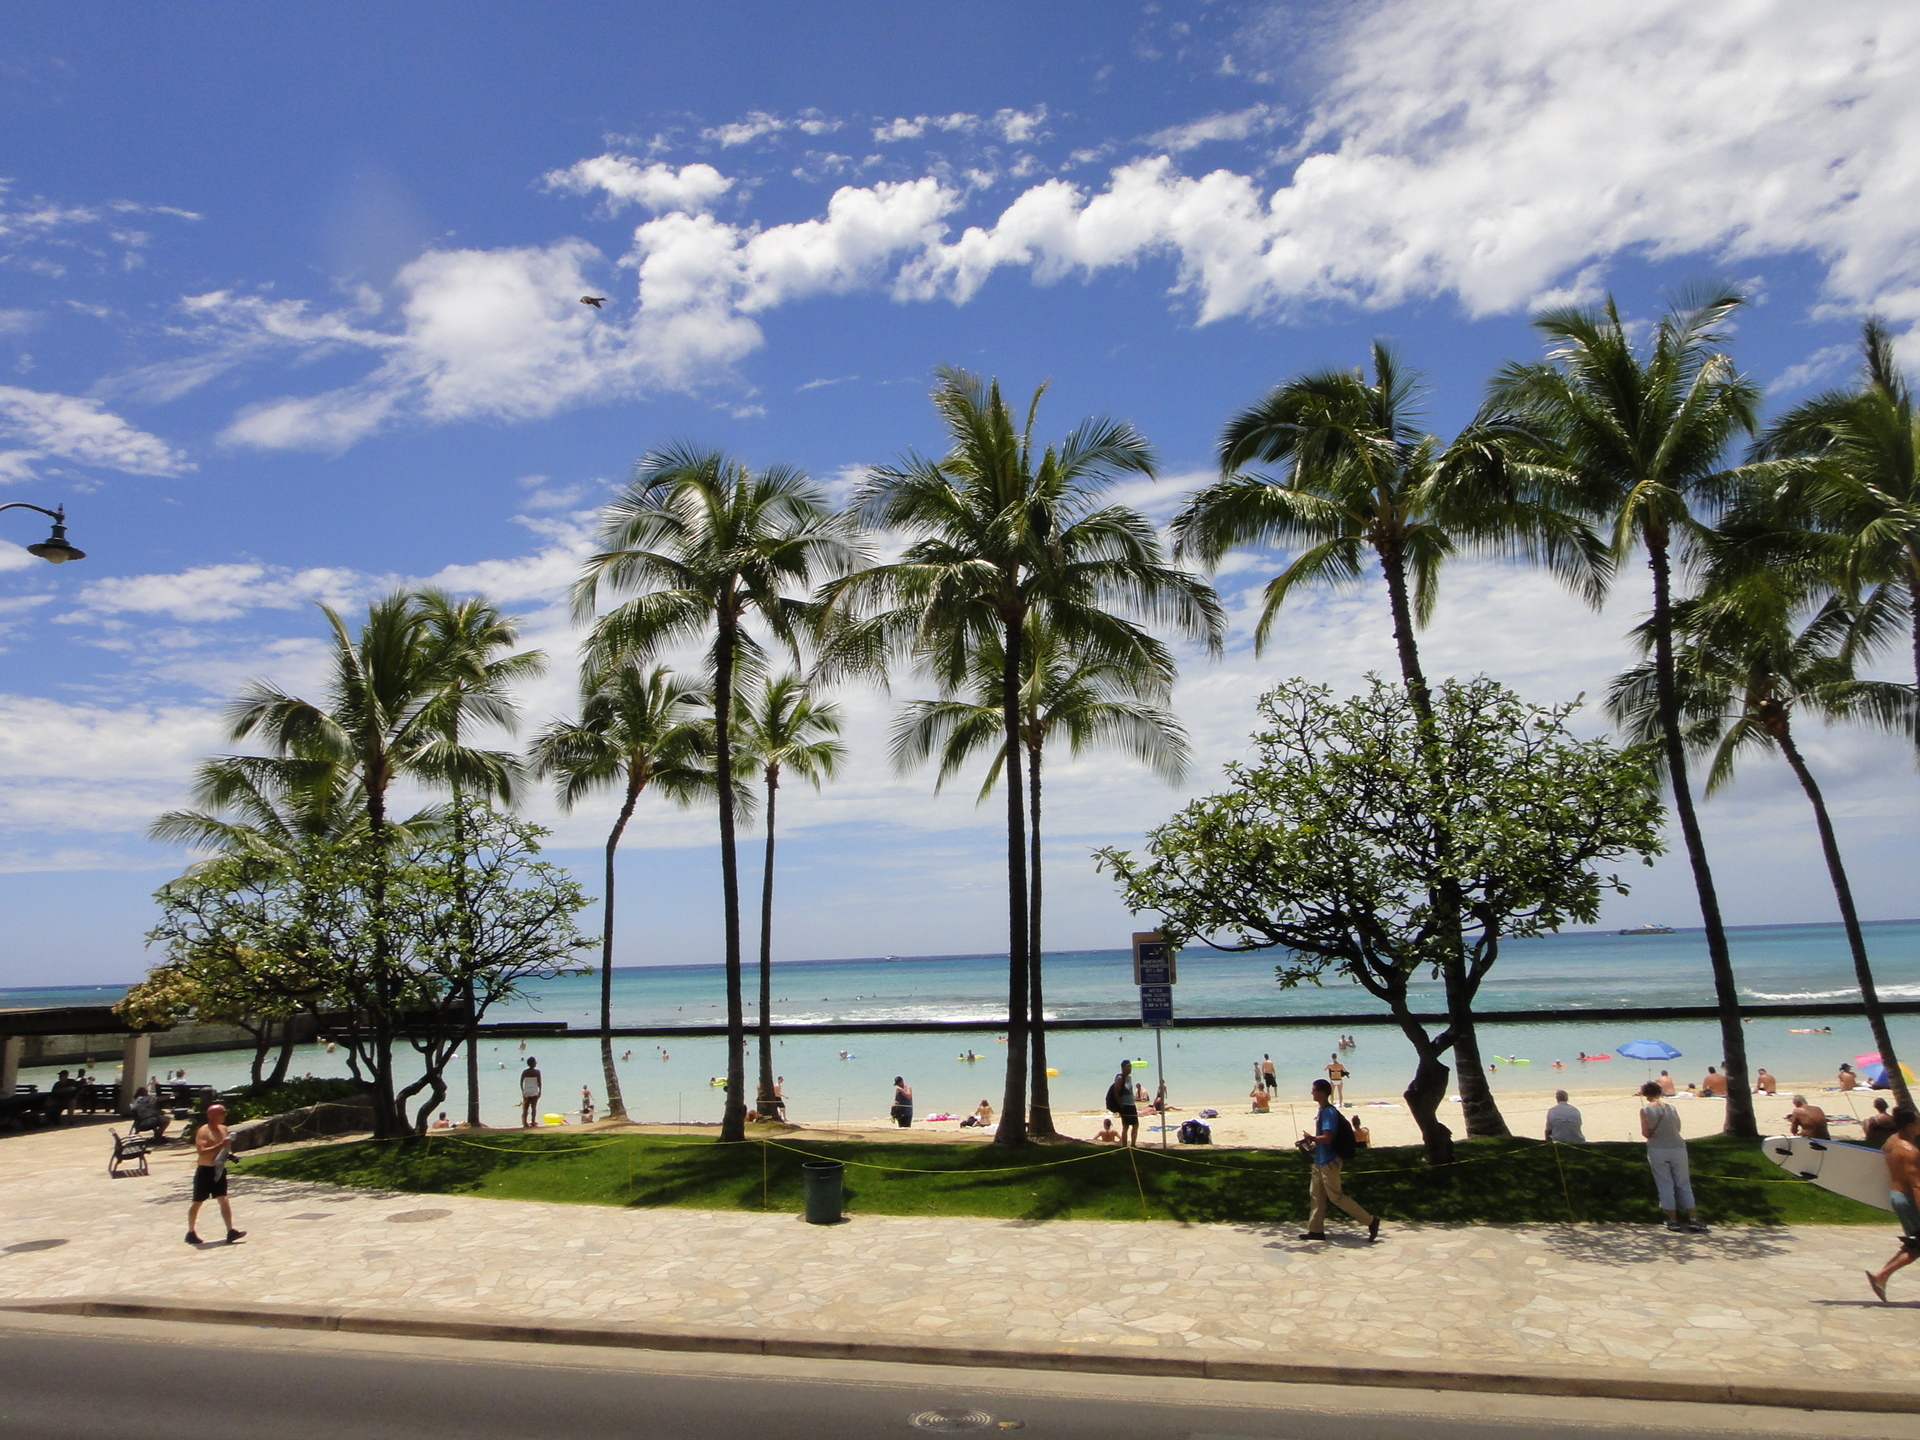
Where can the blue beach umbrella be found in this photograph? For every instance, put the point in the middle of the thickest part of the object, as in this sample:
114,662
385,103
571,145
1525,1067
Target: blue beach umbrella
1647,1050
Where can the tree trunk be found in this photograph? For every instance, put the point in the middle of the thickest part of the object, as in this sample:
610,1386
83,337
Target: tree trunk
280,1066
1012,1129
610,1077
765,1102
1040,1113
1479,1109
1849,916
473,1063
1733,1041
262,1042
1424,1094
733,1121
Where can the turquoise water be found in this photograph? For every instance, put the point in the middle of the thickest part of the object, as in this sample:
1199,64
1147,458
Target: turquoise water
1774,964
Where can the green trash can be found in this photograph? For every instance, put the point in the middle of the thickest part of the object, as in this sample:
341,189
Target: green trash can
825,1182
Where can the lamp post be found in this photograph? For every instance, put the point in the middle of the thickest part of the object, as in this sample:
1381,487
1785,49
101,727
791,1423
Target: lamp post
55,549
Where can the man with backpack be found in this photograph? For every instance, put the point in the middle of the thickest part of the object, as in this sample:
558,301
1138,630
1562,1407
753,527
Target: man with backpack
1333,1144
1122,1105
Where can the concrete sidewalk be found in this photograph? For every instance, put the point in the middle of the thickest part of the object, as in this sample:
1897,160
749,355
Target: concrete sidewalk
1769,1306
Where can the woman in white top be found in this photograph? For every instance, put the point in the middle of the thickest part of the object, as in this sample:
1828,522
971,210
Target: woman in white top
1667,1156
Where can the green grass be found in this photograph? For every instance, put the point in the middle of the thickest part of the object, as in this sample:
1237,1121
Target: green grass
1497,1181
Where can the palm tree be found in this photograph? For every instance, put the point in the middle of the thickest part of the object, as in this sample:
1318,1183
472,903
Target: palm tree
704,545
782,727
468,635
1743,672
637,729
1090,702
1643,438
393,699
1001,531
1848,464
1364,481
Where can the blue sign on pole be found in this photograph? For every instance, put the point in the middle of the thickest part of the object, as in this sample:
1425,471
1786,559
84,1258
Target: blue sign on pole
1156,1004
1153,959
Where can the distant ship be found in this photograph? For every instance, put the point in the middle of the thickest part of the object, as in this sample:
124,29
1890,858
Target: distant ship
1648,930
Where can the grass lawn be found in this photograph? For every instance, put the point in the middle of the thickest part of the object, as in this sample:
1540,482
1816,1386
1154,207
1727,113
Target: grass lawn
1501,1181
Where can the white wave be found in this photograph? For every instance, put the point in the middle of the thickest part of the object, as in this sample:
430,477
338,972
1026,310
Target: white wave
1852,992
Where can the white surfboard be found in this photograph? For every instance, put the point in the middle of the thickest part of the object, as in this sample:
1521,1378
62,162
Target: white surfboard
1858,1172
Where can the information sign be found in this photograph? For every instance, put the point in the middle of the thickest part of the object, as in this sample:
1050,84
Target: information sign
1154,961
1156,1004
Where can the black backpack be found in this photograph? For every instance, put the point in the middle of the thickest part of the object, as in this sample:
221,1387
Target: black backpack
1119,1097
1195,1132
1344,1145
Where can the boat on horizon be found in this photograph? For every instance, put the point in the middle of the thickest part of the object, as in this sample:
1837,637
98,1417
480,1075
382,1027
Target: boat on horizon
1647,930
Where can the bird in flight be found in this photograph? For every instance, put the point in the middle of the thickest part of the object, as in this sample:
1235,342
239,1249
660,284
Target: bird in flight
596,301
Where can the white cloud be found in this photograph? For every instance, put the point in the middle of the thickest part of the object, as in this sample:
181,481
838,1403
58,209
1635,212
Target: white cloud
657,187
47,426
1017,127
218,592
742,132
904,129
95,769
1237,125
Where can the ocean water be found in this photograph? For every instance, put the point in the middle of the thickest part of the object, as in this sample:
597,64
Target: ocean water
670,1079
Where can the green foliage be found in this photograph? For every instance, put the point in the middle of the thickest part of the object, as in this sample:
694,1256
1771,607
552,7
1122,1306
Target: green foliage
1326,844
256,1101
1493,1181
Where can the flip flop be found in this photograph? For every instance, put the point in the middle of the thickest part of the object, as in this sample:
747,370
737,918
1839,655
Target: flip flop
1879,1286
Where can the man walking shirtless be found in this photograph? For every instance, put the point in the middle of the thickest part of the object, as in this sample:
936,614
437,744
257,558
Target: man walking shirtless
210,1143
1903,1178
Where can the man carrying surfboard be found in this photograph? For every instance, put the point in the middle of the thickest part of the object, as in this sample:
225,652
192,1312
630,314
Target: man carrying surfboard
1903,1176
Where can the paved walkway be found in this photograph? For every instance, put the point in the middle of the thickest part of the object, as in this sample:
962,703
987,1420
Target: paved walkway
1780,1304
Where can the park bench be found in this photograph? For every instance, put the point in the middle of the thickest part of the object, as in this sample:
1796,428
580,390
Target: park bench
127,1150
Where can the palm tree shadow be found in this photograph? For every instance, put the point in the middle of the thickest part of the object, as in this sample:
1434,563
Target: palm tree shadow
1622,1245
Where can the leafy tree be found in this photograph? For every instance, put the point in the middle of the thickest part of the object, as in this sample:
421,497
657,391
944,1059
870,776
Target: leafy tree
998,531
1743,673
639,728
1363,481
1643,437
395,699
783,728
705,547
1329,845
1847,465
1089,702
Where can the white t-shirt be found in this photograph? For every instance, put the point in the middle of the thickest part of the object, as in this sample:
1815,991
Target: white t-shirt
529,1085
1663,1125
1563,1124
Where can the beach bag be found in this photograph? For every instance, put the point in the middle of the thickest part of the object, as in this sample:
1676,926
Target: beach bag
1344,1144
1194,1132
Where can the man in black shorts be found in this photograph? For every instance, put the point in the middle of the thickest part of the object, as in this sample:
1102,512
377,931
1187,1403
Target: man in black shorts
1123,1105
210,1143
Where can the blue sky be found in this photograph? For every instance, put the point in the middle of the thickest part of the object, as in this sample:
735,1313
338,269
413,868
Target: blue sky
288,312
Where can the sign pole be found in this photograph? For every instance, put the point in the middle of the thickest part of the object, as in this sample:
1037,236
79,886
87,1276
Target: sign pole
1160,1064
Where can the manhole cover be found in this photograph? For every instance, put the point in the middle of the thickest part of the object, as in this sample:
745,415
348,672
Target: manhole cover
34,1245
948,1421
415,1217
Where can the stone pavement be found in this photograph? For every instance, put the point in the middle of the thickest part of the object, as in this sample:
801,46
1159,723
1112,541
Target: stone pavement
1782,1304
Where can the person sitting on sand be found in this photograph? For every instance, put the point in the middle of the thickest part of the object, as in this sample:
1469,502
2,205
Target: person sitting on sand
1715,1084
1563,1122
1362,1136
1261,1105
1106,1134
1665,1083
1764,1084
1808,1120
982,1116
1849,1079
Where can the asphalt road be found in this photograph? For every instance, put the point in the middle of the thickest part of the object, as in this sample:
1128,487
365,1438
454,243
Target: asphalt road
61,1378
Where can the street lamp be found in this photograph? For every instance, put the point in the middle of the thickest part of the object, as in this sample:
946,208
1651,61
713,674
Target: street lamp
55,549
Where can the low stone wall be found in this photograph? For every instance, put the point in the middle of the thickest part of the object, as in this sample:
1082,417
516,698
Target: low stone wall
188,1038
330,1117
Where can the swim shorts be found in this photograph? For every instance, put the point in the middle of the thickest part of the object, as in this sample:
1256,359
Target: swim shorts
1908,1214
209,1183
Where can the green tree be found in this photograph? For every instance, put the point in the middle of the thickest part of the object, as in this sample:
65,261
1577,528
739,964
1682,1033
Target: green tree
469,633
998,531
1089,702
1329,844
1847,464
1643,437
706,548
638,728
1743,672
783,728
1362,480
395,697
